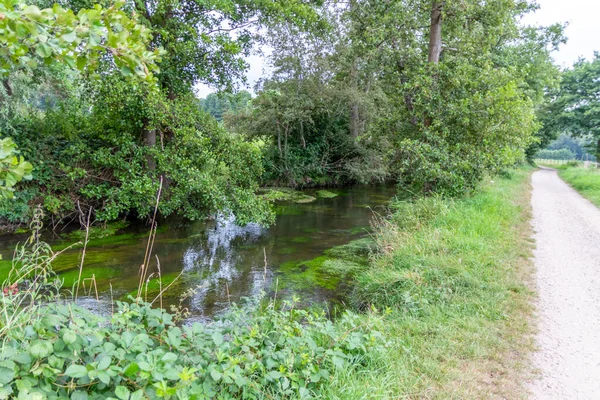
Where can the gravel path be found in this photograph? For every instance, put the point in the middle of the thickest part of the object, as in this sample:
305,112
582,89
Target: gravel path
567,260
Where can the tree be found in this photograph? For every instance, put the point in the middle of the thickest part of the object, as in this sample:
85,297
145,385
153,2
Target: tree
433,94
218,104
30,37
574,107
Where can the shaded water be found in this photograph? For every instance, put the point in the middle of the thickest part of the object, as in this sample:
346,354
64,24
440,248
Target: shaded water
224,262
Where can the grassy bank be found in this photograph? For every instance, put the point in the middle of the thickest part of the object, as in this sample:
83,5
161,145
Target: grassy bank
585,180
454,275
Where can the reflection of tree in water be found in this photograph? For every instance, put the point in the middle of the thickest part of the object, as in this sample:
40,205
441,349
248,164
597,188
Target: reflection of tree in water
220,262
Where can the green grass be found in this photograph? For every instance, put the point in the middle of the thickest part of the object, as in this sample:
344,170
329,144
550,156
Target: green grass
585,180
454,276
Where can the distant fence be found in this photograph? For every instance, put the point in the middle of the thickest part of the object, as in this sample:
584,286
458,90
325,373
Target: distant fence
586,164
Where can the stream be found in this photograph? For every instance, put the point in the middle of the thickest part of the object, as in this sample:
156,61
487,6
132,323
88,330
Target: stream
224,263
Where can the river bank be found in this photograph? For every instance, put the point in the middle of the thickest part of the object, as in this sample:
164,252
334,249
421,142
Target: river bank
455,277
444,313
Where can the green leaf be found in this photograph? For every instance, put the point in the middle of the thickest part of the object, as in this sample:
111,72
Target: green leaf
169,358
216,375
69,337
104,377
104,362
79,395
137,395
76,371
217,338
122,392
40,348
43,50
81,62
32,12
6,375
69,37
131,369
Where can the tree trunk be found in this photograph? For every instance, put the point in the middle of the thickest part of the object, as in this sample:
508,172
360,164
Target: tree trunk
354,112
435,33
435,42
7,87
302,139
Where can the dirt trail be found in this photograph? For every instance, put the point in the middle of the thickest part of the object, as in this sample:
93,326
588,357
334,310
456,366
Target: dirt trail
567,260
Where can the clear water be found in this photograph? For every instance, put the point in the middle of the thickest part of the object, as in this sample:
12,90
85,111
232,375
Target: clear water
224,262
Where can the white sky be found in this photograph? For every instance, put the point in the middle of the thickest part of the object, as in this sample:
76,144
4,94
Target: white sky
583,32
583,35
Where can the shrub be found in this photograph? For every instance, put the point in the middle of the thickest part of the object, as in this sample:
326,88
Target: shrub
140,353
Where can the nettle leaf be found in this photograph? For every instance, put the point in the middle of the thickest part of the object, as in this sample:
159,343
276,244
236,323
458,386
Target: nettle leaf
41,348
69,337
76,371
122,392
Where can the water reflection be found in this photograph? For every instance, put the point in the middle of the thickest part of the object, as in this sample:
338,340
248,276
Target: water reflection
224,261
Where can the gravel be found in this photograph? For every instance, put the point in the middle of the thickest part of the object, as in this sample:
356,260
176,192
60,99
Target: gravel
567,260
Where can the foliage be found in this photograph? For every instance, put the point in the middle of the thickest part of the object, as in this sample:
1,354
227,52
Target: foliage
102,141
13,168
574,107
140,353
360,102
58,349
30,35
580,146
206,170
220,104
562,154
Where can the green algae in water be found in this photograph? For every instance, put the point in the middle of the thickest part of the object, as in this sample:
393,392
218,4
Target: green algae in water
287,210
154,286
99,232
306,275
358,230
357,251
286,194
326,194
102,275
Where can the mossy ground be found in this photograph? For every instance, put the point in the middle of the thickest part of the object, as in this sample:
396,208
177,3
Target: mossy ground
326,194
328,271
286,195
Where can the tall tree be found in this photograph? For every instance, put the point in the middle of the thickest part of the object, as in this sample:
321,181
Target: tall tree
574,107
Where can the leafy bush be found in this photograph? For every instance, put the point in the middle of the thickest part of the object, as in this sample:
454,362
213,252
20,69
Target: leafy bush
140,353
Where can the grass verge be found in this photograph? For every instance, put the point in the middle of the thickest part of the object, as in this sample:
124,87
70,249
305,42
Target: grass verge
455,276
585,180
